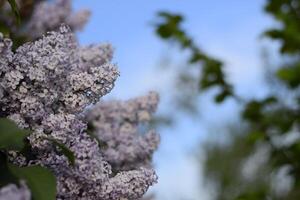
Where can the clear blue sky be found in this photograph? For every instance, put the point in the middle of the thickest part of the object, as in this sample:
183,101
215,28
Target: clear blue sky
229,29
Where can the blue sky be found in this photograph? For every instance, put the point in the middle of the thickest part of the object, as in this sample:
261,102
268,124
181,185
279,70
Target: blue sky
227,29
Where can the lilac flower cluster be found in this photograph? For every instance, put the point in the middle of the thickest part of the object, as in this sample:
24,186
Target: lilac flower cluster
47,16
46,86
13,192
117,125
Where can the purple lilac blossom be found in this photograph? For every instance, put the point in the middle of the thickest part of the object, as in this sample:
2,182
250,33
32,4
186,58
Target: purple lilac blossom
46,86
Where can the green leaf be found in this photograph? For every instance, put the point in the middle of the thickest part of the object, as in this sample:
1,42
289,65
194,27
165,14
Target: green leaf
11,137
290,75
173,18
41,181
253,111
196,57
66,151
222,96
6,177
164,31
255,136
169,28
4,30
15,9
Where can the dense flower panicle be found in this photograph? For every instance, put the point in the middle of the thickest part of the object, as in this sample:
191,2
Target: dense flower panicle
117,124
48,15
96,54
132,184
6,54
52,75
14,192
46,85
78,20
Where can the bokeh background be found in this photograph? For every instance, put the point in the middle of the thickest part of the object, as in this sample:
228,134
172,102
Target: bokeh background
231,31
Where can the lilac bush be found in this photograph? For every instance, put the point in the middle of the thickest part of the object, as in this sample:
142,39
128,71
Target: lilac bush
46,86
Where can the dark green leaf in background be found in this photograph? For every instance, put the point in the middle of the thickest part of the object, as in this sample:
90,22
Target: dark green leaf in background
15,9
41,181
6,177
169,28
11,137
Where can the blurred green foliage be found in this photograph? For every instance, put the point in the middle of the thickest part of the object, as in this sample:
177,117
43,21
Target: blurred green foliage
15,9
223,168
271,123
169,28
